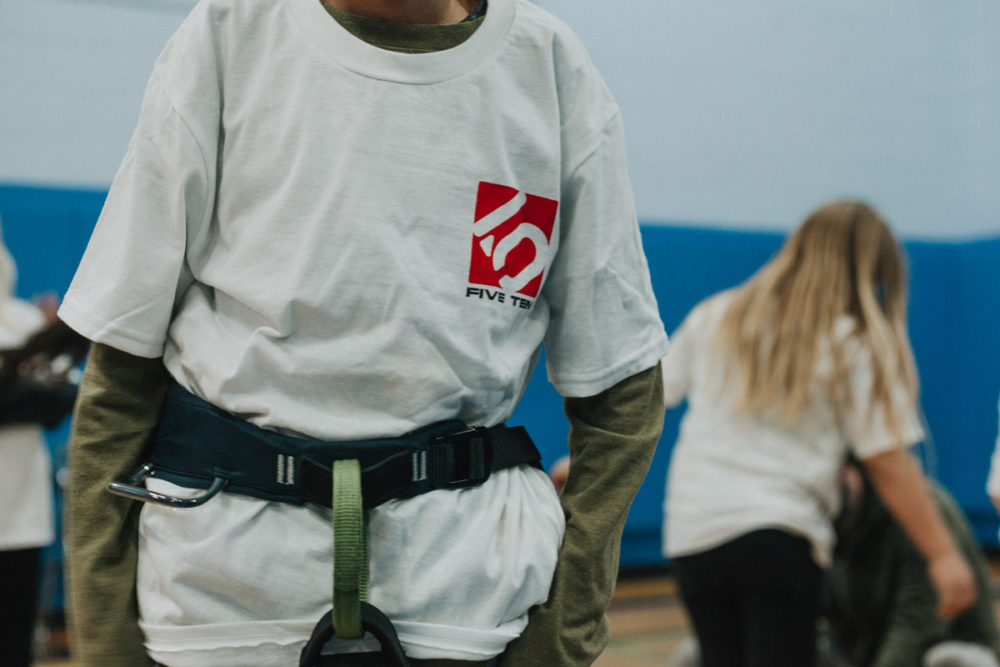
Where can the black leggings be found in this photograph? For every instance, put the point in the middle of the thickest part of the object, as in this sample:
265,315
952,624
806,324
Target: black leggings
359,660
753,601
19,583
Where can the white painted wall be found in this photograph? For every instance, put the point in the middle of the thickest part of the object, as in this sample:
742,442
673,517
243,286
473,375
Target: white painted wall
738,114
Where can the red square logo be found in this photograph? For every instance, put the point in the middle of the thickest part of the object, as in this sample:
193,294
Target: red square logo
510,239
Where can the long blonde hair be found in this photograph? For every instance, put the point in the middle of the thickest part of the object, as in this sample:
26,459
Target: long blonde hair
842,260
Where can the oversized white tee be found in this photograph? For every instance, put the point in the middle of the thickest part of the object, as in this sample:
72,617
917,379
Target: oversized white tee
341,242
731,473
27,520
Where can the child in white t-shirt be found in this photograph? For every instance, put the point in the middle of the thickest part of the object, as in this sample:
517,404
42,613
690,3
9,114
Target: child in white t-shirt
346,238
783,376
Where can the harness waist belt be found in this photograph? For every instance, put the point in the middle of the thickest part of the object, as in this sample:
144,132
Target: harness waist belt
198,445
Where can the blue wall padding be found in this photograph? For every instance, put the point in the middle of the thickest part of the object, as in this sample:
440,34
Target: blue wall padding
46,230
954,319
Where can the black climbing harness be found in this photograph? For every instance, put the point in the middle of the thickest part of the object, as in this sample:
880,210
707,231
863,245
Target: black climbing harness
198,445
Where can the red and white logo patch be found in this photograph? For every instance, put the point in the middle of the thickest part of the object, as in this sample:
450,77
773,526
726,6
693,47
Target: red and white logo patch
510,239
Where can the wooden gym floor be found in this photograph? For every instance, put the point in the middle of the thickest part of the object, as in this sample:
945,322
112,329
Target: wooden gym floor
647,622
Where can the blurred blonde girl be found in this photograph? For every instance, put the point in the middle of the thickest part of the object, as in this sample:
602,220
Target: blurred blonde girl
784,375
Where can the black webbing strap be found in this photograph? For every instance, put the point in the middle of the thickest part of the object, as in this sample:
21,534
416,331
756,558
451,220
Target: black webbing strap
453,460
200,446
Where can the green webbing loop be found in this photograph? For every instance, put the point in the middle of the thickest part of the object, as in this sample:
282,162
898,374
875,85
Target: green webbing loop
350,555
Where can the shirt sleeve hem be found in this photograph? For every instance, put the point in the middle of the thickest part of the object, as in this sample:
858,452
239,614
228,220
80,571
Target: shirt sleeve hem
911,437
106,333
584,385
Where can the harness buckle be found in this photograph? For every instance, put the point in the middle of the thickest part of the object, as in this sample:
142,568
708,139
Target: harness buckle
461,459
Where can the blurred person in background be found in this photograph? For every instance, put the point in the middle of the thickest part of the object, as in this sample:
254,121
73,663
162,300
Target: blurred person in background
805,362
880,605
27,405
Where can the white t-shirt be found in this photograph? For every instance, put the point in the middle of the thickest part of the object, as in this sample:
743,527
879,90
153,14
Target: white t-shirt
338,241
733,473
27,519
993,481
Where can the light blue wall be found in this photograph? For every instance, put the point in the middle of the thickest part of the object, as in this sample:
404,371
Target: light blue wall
749,114
742,115
72,74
